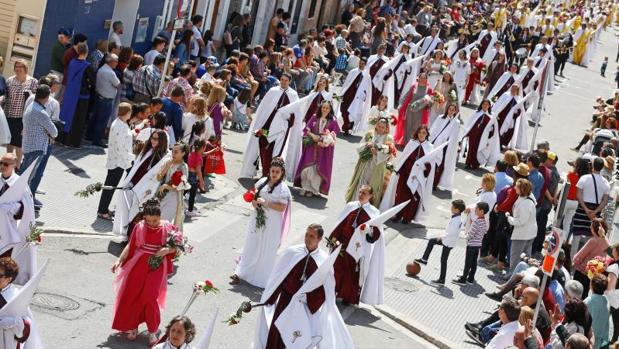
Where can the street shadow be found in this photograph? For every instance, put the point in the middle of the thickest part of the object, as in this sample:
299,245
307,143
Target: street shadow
246,290
315,202
443,291
115,248
246,183
478,172
362,317
102,225
120,341
472,290
408,231
442,194
233,151
350,138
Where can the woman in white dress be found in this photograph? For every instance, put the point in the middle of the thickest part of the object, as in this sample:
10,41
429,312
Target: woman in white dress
447,88
173,176
379,110
461,69
267,227
433,67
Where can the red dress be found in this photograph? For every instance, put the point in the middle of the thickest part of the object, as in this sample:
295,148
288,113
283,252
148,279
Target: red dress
345,267
140,291
477,66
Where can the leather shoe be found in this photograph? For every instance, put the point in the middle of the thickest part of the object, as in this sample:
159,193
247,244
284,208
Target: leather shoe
494,296
472,327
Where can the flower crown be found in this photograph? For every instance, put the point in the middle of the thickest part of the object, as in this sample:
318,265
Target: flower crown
279,162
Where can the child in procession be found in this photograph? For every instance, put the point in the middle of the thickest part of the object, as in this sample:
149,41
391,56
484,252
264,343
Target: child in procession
474,235
195,178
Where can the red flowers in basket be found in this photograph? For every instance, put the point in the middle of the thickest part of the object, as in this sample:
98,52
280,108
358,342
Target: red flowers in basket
249,195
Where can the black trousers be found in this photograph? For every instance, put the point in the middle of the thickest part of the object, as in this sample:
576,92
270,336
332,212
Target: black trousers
470,263
444,255
614,312
112,179
541,216
487,243
502,237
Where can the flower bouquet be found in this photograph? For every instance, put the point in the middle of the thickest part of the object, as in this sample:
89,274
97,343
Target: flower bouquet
327,138
389,166
597,265
36,235
332,243
261,217
236,317
438,97
366,154
421,103
177,181
200,287
442,69
94,188
261,132
174,240
453,96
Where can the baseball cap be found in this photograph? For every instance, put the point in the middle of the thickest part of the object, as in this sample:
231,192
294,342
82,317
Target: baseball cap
552,156
213,61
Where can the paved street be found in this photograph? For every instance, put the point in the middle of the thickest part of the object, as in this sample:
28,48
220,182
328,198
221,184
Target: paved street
75,303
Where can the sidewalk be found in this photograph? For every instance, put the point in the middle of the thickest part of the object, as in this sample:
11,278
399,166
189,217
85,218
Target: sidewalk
70,170
439,311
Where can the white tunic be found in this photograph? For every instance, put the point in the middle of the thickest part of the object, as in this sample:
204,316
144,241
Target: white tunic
14,326
261,244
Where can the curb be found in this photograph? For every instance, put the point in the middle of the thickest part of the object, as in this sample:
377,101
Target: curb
415,327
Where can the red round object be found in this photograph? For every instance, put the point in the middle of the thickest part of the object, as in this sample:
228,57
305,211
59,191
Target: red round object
413,268
249,196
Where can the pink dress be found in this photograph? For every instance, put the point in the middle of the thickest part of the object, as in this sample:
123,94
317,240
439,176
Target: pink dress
140,291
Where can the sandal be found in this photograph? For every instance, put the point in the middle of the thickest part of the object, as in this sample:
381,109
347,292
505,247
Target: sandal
105,216
235,280
132,335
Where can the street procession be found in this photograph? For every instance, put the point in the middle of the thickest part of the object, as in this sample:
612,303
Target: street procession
192,174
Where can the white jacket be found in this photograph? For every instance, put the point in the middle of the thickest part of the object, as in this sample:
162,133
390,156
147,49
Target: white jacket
523,219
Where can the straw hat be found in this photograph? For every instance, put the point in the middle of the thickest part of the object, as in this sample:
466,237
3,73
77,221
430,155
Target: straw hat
522,169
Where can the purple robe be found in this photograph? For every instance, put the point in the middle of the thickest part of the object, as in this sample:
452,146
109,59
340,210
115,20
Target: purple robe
314,154
218,118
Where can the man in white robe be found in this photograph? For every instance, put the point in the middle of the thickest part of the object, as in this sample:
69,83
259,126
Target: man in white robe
300,310
486,41
16,216
267,136
352,94
16,331
429,43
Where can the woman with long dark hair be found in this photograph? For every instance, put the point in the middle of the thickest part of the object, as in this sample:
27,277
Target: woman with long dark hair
183,49
141,183
267,228
316,165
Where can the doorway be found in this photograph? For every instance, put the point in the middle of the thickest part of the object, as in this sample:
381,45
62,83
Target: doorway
126,11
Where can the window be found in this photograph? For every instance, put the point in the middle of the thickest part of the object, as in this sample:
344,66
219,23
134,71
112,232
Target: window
312,9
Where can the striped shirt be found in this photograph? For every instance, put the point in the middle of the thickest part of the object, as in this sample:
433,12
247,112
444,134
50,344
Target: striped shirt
476,232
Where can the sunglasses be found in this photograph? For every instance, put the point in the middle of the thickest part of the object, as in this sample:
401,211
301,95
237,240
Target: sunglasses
6,163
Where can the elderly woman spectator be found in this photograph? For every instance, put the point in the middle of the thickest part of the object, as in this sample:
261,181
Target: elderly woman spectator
18,89
595,246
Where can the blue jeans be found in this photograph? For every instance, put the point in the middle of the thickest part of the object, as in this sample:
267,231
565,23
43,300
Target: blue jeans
487,333
38,175
103,109
35,176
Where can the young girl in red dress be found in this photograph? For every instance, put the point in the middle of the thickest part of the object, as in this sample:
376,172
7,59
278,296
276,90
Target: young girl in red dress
141,289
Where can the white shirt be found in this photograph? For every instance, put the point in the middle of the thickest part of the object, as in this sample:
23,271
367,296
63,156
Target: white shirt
52,107
189,119
120,148
195,47
149,57
588,192
115,38
613,295
451,232
505,337
107,82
